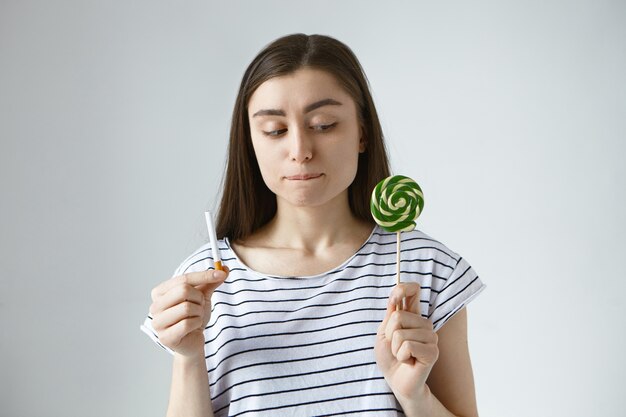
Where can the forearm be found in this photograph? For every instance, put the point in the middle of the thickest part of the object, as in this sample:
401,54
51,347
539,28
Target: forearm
425,405
189,393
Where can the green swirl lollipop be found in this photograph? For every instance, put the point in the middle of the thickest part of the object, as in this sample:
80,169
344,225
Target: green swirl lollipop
397,201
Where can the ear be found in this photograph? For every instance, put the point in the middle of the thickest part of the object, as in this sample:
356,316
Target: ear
362,142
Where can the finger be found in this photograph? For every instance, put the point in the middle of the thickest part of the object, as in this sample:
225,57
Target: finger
409,294
174,315
406,320
192,278
177,295
383,326
172,336
401,336
426,353
392,320
207,289
393,324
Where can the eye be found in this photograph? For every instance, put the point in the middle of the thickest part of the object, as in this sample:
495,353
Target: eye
274,133
323,127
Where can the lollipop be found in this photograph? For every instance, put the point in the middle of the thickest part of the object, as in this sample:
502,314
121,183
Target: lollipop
397,201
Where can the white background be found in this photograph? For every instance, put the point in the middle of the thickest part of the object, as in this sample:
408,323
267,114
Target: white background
114,118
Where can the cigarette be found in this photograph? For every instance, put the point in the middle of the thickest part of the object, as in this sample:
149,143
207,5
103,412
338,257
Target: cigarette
217,260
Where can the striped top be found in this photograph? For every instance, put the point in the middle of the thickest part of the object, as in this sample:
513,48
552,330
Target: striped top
278,346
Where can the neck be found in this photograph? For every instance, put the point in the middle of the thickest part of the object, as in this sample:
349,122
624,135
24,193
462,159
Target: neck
312,229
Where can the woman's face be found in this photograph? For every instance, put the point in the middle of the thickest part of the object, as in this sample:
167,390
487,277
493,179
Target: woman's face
306,136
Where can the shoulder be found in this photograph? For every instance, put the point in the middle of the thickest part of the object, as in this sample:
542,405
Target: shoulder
421,254
415,244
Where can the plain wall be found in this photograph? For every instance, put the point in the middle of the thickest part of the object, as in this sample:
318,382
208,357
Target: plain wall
114,118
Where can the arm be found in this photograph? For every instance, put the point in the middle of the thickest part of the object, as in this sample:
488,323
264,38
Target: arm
449,389
451,380
181,309
429,373
189,393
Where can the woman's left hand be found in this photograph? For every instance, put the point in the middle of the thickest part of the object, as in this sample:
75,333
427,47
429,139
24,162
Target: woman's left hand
406,345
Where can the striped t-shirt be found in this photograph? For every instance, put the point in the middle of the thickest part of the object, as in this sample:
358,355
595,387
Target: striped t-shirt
304,346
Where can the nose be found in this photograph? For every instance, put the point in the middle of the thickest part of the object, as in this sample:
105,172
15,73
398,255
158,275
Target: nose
300,146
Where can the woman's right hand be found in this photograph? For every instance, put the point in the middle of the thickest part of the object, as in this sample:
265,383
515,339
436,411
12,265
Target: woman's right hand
181,309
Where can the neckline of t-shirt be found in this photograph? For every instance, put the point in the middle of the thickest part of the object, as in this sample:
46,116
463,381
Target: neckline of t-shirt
344,264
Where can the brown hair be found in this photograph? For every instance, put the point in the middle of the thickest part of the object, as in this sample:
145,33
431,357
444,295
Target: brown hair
247,203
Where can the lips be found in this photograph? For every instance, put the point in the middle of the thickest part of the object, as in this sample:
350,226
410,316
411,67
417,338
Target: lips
303,177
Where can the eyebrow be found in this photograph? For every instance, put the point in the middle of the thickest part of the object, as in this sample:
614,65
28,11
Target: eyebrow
307,109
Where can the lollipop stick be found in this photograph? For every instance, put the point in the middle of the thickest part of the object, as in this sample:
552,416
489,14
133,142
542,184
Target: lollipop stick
400,305
398,257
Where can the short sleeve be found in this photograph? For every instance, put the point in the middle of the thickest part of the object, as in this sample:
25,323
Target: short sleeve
461,287
197,261
147,328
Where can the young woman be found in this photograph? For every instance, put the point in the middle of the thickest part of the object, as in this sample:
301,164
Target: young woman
303,321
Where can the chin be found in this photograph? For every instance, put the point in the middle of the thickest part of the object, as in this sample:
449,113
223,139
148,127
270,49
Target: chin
302,200
304,203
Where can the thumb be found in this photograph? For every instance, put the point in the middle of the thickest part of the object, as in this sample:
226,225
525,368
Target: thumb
390,309
218,277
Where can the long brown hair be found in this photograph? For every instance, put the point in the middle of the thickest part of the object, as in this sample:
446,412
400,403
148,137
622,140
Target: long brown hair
247,203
